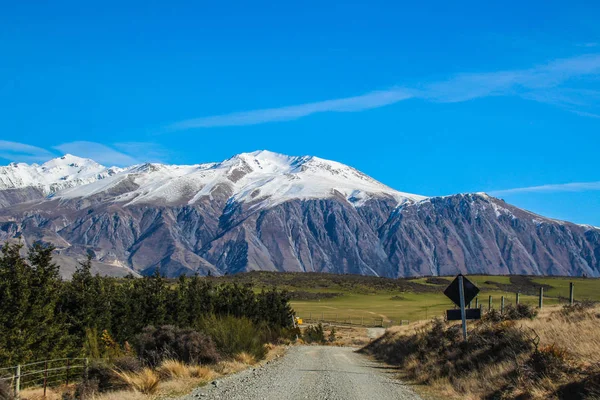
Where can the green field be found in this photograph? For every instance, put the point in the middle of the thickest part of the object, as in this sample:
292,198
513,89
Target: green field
412,306
370,298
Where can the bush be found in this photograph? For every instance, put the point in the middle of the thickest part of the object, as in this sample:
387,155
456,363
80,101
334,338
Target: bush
236,335
6,392
549,361
314,334
154,345
511,313
128,364
332,335
84,390
100,377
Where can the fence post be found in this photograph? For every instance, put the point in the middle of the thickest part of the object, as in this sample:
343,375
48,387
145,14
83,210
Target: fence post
18,381
518,298
45,376
86,368
490,303
382,322
571,293
502,304
362,321
477,302
541,305
68,364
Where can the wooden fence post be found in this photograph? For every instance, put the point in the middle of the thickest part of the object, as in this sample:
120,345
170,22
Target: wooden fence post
45,376
518,298
502,304
541,304
490,303
571,293
477,302
68,363
18,381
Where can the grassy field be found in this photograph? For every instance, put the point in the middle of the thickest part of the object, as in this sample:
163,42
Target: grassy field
394,307
344,297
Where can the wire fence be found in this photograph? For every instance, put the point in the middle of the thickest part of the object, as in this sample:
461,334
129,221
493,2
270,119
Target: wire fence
47,373
348,320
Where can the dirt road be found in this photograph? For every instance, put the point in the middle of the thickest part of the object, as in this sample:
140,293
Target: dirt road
311,372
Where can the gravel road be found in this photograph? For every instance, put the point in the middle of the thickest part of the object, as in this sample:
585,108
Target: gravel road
310,372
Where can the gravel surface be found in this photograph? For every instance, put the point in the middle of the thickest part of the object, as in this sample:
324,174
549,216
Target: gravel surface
310,372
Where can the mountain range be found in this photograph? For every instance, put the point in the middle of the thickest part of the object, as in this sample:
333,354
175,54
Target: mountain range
268,211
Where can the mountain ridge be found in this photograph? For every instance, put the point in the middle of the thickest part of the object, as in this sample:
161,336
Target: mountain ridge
268,211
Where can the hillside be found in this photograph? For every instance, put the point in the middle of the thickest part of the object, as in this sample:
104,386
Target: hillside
272,212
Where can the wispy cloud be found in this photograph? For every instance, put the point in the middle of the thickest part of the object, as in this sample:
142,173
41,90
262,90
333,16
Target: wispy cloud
540,83
119,154
349,104
554,188
15,151
149,152
98,152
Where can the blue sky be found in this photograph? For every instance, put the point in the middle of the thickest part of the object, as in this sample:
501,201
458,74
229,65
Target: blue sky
434,100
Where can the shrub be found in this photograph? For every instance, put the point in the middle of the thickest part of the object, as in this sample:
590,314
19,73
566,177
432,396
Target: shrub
511,313
168,342
549,361
146,381
331,337
101,377
84,390
314,333
128,364
6,392
235,335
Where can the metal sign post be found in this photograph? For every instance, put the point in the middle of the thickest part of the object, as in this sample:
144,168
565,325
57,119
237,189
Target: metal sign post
462,291
463,315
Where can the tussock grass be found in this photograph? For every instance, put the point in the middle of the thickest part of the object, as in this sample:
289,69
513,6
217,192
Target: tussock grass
146,381
553,356
245,358
169,369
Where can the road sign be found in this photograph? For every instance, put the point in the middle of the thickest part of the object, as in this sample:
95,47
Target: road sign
453,290
470,313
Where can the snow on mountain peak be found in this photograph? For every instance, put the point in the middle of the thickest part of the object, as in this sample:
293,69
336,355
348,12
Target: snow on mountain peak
261,177
54,175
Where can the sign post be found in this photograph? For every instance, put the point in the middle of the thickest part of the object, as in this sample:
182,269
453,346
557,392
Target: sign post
462,291
463,315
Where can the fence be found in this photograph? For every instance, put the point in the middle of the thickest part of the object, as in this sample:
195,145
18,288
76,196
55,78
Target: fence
44,374
335,319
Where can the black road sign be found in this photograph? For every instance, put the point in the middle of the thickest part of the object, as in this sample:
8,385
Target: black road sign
470,313
453,291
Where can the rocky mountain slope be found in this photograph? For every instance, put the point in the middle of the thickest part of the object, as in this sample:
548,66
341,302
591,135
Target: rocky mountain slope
267,211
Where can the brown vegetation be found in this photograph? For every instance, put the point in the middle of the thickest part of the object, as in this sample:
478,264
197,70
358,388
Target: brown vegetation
553,356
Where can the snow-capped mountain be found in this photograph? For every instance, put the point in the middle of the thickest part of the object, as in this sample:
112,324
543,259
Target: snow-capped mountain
54,175
261,176
268,211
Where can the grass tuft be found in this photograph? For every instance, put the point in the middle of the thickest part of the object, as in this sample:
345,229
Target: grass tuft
146,381
245,358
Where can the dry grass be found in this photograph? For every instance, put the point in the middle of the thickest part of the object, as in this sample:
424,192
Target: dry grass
170,369
564,348
38,394
245,358
146,381
177,379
